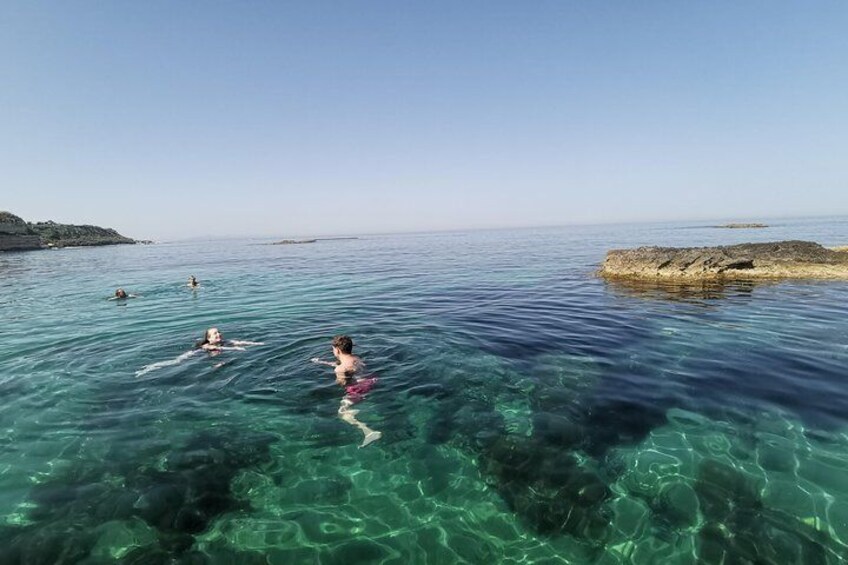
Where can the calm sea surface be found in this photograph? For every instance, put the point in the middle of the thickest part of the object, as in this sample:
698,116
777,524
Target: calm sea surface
530,411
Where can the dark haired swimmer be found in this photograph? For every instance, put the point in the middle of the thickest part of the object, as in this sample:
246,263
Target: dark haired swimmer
347,367
213,340
192,282
121,294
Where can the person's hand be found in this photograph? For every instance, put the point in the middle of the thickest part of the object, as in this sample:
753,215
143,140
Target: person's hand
316,360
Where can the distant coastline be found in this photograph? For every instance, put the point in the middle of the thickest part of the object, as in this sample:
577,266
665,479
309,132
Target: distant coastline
19,235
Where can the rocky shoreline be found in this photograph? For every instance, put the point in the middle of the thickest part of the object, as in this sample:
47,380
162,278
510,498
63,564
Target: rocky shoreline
19,235
747,261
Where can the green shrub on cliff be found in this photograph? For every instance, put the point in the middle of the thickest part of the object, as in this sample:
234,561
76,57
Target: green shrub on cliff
19,235
67,235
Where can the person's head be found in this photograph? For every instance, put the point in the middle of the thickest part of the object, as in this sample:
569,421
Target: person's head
212,337
120,293
342,344
192,280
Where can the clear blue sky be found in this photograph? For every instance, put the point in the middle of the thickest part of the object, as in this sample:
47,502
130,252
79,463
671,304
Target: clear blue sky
179,119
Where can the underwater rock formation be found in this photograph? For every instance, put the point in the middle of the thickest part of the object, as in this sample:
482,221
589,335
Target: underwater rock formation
738,528
777,260
176,502
547,487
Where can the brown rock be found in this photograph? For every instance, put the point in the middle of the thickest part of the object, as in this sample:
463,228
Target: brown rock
782,259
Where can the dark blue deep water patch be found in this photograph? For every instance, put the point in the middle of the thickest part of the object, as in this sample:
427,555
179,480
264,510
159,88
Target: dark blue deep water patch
529,411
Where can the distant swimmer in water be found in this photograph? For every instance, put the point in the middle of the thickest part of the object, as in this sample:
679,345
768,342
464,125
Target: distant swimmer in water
192,282
348,368
121,294
213,340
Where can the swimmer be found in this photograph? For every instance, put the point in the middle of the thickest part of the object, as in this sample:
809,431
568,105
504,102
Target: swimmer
213,340
192,282
121,294
346,368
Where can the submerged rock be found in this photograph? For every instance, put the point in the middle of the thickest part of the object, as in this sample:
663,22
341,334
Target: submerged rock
68,516
777,260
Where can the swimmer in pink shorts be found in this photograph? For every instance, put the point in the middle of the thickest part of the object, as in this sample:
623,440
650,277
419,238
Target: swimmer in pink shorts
347,367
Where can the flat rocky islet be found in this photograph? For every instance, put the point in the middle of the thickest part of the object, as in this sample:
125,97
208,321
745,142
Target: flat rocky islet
742,226
775,260
293,241
303,241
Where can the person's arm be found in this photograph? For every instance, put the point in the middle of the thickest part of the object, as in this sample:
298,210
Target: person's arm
319,361
341,375
243,342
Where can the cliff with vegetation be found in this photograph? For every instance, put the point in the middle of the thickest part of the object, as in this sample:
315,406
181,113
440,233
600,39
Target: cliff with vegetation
68,235
18,235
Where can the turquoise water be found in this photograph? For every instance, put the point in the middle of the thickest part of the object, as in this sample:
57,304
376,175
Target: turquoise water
531,413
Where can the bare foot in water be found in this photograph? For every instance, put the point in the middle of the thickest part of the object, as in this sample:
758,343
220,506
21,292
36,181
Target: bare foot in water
371,438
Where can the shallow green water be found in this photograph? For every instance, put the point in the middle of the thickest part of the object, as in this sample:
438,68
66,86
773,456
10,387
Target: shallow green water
530,412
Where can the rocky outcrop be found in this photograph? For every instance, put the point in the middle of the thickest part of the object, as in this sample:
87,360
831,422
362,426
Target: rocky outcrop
778,260
16,235
300,241
742,226
68,235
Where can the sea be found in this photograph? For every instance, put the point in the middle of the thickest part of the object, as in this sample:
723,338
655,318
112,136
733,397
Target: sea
530,411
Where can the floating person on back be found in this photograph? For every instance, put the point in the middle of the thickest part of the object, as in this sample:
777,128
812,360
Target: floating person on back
121,294
212,341
192,282
347,368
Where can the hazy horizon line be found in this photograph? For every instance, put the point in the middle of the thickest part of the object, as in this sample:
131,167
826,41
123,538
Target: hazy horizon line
706,222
